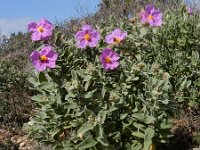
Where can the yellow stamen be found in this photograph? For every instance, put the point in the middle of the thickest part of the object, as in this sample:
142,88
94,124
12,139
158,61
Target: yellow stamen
117,40
150,17
87,37
40,29
43,58
107,60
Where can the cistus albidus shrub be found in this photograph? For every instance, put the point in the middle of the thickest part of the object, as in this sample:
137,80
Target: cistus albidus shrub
116,85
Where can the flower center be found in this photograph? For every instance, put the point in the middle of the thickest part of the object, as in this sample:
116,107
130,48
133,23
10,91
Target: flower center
117,40
150,17
43,58
87,37
40,29
107,60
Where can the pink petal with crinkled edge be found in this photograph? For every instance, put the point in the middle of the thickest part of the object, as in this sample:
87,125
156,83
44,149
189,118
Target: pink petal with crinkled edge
51,64
40,67
36,36
46,35
114,65
32,27
45,24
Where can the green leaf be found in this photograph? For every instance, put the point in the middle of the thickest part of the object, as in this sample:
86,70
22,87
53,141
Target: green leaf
139,126
150,119
149,134
138,134
143,32
87,143
112,108
89,94
139,116
115,135
54,132
195,58
87,84
123,116
47,86
42,77
181,84
166,124
139,57
165,102
88,113
39,98
34,82
58,39
103,92
101,137
192,103
101,117
39,48
84,128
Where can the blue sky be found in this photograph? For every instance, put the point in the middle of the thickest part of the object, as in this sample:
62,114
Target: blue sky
16,14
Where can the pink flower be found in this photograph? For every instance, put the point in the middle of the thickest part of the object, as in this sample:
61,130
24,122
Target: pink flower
116,37
87,37
109,59
46,58
42,30
189,10
151,16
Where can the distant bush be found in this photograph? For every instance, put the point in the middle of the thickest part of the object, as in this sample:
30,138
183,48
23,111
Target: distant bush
15,92
14,95
118,9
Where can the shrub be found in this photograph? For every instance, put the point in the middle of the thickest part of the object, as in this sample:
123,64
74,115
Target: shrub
15,94
15,102
83,106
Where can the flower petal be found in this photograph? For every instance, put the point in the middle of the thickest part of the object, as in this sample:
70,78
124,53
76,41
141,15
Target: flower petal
35,58
36,36
114,65
45,24
40,66
51,64
32,27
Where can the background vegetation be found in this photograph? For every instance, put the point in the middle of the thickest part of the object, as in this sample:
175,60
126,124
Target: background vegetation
177,46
